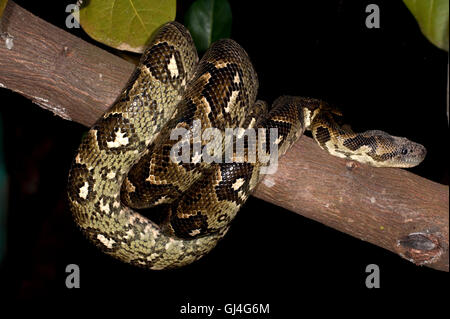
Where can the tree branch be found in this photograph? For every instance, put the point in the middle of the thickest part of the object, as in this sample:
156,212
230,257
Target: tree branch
391,208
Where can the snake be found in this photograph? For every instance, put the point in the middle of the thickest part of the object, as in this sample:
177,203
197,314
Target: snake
126,162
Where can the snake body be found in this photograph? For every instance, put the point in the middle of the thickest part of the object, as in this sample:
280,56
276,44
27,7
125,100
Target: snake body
124,161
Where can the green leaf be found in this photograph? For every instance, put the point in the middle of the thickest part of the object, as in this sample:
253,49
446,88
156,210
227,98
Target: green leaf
208,21
125,24
432,16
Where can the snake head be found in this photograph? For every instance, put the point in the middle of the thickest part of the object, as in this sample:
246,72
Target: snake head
380,149
407,153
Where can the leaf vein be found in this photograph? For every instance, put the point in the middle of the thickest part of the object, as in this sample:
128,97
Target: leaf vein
138,16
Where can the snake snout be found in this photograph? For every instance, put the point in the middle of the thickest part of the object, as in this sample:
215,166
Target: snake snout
421,152
412,154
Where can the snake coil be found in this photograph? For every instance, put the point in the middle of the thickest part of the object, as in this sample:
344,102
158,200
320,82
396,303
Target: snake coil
124,161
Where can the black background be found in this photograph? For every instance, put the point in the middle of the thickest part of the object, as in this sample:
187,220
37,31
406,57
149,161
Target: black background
390,78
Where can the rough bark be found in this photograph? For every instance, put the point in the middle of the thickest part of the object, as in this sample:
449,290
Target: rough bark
391,208
56,70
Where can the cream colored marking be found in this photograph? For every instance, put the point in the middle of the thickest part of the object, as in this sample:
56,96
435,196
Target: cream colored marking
332,151
307,117
278,140
173,244
373,200
120,140
236,79
141,218
363,158
152,256
240,132
238,183
232,101
111,175
197,158
84,190
363,150
221,64
136,217
131,219
116,204
129,235
150,178
315,112
104,207
78,159
205,77
194,232
206,104
161,200
130,187
252,122
105,241
173,69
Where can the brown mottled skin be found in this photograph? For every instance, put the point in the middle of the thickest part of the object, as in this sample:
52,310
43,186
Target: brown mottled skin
124,160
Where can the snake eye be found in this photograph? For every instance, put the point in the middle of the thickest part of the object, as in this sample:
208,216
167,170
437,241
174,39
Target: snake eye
404,151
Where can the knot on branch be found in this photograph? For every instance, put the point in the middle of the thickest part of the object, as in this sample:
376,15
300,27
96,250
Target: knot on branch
420,248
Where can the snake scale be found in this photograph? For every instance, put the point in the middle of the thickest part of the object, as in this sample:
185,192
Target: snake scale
124,161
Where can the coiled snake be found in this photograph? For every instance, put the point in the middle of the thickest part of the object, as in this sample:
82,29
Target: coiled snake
125,159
